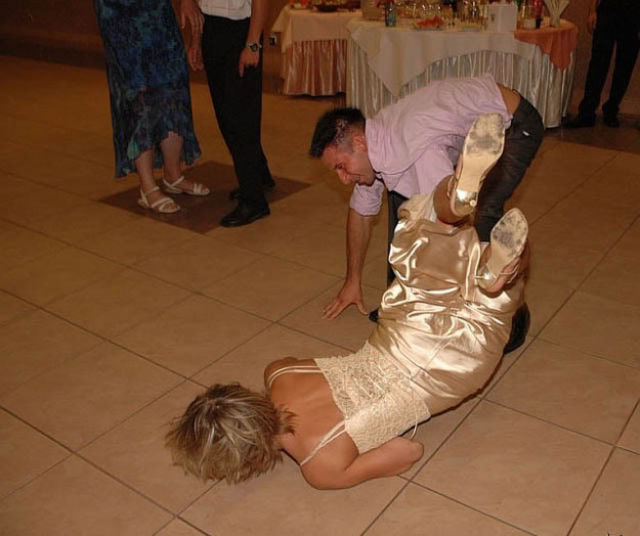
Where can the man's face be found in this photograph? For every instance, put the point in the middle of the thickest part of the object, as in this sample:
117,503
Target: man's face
350,161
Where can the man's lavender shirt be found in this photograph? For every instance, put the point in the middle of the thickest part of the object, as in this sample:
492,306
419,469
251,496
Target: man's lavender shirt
414,143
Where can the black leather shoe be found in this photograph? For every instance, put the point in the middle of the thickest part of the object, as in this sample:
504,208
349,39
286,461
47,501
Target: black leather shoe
519,329
373,316
244,214
234,194
580,121
611,121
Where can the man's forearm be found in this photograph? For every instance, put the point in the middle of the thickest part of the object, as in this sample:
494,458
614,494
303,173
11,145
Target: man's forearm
358,234
259,9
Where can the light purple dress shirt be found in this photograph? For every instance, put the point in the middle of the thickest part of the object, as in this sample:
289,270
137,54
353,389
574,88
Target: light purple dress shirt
414,143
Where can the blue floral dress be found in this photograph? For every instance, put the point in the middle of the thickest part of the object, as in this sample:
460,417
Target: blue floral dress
148,79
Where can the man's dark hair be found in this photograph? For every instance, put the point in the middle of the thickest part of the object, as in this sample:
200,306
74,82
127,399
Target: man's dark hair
334,127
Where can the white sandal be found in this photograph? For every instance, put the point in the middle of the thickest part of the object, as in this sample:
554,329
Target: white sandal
172,187
508,238
483,147
161,206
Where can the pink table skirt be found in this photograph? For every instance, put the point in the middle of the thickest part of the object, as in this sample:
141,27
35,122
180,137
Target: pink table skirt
315,68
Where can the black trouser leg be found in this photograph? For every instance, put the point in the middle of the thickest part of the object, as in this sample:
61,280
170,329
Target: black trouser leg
522,140
627,45
601,52
237,102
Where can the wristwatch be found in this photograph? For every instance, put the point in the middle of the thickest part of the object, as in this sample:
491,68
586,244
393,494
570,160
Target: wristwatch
254,47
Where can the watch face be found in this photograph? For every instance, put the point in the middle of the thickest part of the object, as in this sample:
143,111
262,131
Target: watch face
253,47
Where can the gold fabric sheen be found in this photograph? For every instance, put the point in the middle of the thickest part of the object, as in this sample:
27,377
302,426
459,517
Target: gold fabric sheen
439,336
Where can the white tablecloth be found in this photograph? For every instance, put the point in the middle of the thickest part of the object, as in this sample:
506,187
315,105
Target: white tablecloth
313,46
384,64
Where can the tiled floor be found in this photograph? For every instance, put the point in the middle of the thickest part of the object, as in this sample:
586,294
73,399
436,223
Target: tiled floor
111,321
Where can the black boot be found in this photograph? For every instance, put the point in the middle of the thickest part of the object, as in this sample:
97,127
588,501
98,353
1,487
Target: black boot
519,328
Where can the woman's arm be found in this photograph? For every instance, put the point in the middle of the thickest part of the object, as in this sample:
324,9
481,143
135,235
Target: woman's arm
390,459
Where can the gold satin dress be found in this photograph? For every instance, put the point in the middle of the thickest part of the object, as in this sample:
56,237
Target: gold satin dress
439,336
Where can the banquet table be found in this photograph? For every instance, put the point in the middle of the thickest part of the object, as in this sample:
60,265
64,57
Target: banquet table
385,64
314,50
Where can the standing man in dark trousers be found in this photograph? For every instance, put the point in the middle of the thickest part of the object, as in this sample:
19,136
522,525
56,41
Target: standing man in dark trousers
231,45
613,23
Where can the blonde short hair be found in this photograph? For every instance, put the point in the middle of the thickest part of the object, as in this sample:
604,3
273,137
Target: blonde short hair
228,432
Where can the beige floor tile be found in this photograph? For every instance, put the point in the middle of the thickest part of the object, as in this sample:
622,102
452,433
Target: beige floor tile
623,163
323,250
271,287
627,247
374,273
75,498
583,393
246,363
267,235
191,334
631,436
83,222
281,502
598,326
615,278
113,305
135,241
36,342
21,245
198,262
43,203
25,453
544,300
416,512
433,433
504,365
614,187
567,266
350,330
135,454
613,505
11,307
178,528
521,470
14,187
56,275
86,396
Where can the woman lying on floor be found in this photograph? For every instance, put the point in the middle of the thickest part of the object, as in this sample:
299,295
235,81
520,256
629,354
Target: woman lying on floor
442,327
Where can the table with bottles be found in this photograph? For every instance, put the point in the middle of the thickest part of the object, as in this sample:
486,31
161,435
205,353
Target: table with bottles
387,63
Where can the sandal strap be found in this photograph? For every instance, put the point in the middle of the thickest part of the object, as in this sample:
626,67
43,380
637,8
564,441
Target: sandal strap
174,184
150,191
161,203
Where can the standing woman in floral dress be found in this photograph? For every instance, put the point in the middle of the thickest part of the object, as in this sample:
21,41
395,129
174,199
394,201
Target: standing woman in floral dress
150,99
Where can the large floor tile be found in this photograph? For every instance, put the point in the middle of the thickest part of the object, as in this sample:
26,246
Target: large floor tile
36,342
113,305
135,454
246,363
631,436
351,329
416,512
586,394
41,204
21,245
594,325
86,396
56,275
616,278
25,453
136,240
516,468
192,334
75,498
178,528
83,222
281,502
198,263
11,307
271,287
612,508
544,299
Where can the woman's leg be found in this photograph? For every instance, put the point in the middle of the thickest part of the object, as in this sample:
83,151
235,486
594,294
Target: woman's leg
171,148
144,166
